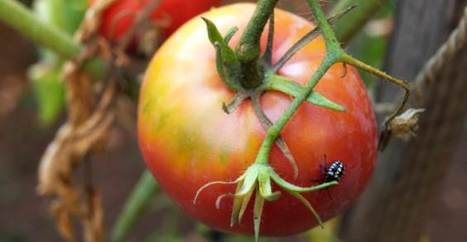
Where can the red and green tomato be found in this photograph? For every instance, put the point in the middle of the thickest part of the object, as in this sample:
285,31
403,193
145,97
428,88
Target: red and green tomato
187,139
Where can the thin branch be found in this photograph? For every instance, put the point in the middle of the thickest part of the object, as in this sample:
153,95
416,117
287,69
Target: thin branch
280,142
267,56
26,23
139,20
139,200
349,25
302,42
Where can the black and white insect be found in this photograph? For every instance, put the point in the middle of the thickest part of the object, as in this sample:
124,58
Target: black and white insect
335,171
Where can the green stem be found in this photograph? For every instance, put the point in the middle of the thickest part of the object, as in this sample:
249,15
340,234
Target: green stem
334,53
135,206
348,25
22,20
274,131
325,28
248,48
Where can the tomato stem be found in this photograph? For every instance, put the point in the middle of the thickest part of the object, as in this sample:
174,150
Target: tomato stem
267,56
274,131
248,48
25,22
386,133
334,53
332,44
306,39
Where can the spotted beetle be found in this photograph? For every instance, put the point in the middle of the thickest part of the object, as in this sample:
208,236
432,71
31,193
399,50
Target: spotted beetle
332,172
335,171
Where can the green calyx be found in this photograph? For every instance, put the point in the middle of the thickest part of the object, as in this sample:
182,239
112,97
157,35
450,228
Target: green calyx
258,180
232,71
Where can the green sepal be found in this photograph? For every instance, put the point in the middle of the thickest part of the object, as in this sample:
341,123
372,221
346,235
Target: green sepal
213,33
281,84
308,205
227,63
265,188
257,212
230,33
237,204
245,200
244,191
251,175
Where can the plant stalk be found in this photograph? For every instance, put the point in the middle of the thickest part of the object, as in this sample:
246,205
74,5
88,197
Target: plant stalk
140,199
275,130
332,45
248,48
334,53
25,22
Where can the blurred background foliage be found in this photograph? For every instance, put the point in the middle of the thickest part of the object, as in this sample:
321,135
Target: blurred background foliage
32,100
45,74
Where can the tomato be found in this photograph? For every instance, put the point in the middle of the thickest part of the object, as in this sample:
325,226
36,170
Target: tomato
168,15
187,140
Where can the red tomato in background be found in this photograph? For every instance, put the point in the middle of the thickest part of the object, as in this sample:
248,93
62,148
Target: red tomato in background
188,141
169,15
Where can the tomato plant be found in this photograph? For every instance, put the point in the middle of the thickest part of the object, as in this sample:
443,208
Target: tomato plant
188,141
168,15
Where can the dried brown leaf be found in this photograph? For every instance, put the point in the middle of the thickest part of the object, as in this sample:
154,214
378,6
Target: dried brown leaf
93,219
405,125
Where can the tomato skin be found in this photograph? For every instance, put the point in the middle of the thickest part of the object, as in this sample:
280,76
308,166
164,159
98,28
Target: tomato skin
187,140
169,15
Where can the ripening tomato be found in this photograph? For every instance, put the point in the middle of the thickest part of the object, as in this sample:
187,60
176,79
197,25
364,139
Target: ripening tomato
187,140
168,15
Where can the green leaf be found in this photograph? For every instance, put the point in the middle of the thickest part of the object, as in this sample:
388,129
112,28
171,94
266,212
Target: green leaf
265,187
281,84
232,31
49,92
